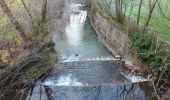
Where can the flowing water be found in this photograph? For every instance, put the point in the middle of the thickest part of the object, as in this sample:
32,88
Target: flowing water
86,69
79,42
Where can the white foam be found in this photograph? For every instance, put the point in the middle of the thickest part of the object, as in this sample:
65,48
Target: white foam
134,78
72,58
128,63
75,27
67,80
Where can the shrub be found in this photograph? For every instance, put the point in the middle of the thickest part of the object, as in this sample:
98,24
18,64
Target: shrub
155,53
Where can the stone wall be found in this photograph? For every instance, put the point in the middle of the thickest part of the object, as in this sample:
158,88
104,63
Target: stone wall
117,41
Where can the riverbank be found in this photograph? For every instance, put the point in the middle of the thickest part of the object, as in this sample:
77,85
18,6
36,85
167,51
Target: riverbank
117,41
35,58
144,54
28,69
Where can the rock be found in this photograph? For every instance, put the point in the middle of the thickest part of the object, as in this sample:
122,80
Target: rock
76,55
5,56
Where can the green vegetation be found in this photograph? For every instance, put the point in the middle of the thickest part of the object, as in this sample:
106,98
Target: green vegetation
12,17
95,7
153,52
7,30
29,69
151,47
36,32
38,65
158,22
15,6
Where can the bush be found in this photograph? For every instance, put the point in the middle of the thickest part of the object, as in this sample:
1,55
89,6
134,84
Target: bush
153,52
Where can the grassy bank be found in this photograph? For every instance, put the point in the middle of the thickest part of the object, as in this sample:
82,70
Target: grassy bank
153,52
11,32
7,30
158,22
150,48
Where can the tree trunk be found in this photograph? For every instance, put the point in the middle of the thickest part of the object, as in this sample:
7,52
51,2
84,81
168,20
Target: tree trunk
44,11
43,15
12,19
109,8
29,13
118,10
124,15
139,11
151,9
130,12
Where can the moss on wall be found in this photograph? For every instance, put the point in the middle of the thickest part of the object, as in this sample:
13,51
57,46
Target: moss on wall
96,9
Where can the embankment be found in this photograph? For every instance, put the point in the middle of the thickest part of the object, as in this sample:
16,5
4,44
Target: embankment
114,37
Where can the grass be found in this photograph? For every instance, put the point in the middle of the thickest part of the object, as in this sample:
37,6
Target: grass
15,6
3,21
12,33
158,23
155,53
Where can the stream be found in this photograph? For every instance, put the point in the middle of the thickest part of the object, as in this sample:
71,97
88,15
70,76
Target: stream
86,69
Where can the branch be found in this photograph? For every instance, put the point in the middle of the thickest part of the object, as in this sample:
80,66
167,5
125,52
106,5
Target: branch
164,15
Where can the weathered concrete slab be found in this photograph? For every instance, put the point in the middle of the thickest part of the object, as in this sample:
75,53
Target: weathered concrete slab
88,72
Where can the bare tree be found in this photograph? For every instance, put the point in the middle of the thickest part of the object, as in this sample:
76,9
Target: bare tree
12,19
44,11
163,14
43,15
151,9
139,11
118,10
109,7
132,5
29,13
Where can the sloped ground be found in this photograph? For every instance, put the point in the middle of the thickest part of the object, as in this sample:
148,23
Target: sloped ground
16,81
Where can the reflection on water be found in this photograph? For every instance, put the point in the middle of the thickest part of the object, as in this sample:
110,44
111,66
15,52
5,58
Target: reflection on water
104,92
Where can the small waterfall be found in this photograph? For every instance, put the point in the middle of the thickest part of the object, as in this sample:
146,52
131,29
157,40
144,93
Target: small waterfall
100,59
78,18
66,80
73,58
75,27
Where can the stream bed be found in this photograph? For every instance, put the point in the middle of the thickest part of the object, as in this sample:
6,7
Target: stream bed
86,69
